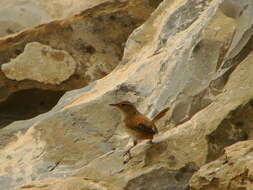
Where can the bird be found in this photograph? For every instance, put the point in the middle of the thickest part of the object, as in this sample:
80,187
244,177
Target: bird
137,125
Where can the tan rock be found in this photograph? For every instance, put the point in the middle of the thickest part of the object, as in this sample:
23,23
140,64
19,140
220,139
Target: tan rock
231,171
59,9
16,15
40,63
70,183
167,62
240,10
95,39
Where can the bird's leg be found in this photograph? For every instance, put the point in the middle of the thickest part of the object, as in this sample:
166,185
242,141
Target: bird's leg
135,143
129,149
128,153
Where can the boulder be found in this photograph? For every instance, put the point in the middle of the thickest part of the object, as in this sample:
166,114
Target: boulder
40,63
231,171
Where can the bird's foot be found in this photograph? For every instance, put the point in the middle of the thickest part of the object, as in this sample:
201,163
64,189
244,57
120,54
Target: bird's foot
127,156
126,160
126,153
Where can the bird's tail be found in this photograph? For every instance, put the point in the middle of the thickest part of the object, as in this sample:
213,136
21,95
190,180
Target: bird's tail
160,115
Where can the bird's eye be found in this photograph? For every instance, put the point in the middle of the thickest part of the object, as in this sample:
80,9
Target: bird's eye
123,104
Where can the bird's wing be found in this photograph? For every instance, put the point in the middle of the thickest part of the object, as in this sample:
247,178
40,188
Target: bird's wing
145,128
143,125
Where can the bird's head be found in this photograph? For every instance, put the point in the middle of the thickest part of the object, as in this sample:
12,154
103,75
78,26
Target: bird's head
126,107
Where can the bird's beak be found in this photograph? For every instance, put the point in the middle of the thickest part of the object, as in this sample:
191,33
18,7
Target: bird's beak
113,105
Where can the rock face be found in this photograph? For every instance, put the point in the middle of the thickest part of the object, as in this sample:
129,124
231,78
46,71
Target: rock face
106,28
16,15
94,38
27,104
231,171
40,63
193,56
69,184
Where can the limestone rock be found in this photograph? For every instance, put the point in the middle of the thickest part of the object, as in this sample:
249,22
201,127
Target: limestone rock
59,9
179,57
240,10
40,63
27,104
232,171
16,15
71,183
95,39
83,128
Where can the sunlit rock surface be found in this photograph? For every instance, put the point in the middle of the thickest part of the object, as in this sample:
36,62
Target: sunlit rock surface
40,63
192,56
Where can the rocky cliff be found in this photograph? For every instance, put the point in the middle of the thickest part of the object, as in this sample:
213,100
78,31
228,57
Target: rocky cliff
57,80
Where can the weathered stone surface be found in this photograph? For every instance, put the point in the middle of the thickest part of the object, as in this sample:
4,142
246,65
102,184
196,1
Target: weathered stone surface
179,58
95,39
183,149
16,15
59,9
240,10
232,171
27,104
40,63
70,183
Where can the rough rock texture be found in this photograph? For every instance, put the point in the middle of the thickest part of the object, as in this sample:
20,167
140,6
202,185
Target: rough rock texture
40,63
16,15
95,39
27,104
190,55
231,171
70,183
62,8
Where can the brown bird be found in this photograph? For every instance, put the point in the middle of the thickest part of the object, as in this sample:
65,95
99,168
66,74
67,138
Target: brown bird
137,124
